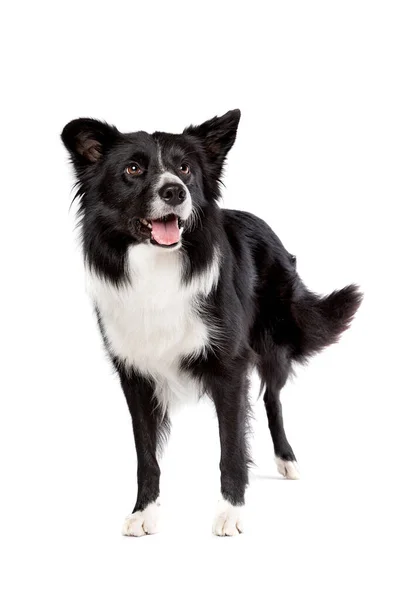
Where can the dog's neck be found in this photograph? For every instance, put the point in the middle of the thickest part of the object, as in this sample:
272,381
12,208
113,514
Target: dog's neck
106,252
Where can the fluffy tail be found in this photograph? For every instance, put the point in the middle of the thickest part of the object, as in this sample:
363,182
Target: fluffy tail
321,321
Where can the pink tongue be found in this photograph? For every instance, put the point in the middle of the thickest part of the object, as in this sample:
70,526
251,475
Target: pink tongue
166,233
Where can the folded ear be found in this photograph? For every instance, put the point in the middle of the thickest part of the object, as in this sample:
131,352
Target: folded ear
217,136
87,140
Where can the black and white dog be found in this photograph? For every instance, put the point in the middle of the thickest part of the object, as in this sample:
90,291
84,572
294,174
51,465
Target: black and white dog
190,297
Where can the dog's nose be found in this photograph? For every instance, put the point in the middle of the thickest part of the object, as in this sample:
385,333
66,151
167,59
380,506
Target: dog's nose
173,194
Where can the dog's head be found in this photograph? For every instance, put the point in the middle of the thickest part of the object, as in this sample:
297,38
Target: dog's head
148,188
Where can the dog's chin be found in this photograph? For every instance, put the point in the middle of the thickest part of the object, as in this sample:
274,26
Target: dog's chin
164,233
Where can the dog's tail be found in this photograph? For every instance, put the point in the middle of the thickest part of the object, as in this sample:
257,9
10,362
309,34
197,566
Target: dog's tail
321,320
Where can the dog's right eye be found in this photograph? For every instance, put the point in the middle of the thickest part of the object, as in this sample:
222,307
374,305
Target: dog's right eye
133,170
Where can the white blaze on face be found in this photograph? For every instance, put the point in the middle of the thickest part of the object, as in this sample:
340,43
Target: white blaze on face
167,218
160,208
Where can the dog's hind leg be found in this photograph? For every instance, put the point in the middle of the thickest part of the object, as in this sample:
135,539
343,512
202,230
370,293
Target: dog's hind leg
274,371
284,455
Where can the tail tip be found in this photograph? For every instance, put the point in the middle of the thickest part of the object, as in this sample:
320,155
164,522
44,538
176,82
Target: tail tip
343,304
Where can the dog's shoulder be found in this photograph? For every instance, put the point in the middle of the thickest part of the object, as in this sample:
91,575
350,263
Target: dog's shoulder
245,229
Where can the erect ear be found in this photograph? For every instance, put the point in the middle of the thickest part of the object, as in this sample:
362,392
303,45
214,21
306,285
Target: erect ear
217,136
87,140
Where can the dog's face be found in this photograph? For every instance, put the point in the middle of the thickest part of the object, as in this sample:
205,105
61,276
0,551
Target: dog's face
148,188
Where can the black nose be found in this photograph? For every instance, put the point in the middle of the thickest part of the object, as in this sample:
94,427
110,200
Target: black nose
173,194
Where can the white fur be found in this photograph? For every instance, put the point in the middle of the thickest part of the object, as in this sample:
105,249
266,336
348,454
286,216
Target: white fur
143,522
287,468
160,160
160,208
153,321
229,520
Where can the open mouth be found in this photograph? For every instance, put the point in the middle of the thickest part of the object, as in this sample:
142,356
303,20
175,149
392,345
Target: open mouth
162,232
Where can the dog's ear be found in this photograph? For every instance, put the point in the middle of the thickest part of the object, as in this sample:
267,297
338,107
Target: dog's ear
87,140
217,136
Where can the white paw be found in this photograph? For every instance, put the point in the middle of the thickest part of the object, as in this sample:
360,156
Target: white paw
228,520
287,468
143,522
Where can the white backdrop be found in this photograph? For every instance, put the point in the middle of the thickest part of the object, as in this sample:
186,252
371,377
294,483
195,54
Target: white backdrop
317,156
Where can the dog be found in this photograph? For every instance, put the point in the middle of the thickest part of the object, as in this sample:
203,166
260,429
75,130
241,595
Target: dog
190,298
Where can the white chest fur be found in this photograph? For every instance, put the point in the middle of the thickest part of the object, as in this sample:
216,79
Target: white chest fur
153,321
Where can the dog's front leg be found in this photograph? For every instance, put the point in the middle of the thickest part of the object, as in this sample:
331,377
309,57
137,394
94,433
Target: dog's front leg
148,424
231,401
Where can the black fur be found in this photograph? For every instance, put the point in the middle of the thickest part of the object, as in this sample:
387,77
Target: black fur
265,314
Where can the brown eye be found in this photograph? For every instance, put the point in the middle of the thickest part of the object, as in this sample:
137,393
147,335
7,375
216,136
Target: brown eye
134,170
184,168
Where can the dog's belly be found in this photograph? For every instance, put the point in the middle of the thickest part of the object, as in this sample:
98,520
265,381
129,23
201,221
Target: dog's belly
153,322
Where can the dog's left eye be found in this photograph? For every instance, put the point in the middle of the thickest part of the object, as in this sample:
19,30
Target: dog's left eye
184,168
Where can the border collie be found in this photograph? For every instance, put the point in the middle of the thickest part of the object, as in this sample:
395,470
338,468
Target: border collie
190,297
